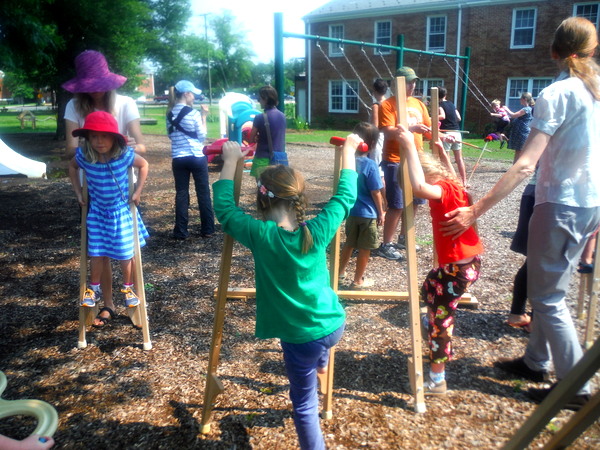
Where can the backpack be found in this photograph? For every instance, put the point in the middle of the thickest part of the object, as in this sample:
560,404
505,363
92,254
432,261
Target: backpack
175,124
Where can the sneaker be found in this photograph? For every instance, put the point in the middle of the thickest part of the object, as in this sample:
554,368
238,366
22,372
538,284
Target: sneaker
432,388
388,251
574,404
131,300
518,367
89,299
585,268
401,244
366,283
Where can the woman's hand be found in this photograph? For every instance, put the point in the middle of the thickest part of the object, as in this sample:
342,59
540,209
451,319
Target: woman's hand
459,221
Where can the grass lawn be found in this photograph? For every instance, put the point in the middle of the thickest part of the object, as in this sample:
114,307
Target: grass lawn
46,123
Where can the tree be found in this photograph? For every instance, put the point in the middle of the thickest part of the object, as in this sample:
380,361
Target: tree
232,66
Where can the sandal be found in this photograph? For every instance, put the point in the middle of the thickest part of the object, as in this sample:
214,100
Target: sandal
525,324
104,320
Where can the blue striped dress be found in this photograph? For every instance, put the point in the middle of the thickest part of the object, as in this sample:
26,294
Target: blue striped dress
109,220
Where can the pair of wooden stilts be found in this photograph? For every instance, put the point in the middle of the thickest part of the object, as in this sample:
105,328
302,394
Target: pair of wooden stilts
214,386
137,314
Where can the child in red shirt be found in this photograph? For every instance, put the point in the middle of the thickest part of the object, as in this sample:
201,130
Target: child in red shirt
459,260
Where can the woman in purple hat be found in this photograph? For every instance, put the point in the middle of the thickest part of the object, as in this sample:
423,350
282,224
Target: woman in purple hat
95,90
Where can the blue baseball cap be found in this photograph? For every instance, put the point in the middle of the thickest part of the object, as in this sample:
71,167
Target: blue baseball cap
187,86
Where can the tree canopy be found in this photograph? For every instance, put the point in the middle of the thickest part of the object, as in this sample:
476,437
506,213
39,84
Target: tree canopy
39,40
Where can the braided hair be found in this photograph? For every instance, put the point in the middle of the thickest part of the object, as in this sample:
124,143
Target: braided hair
575,42
282,186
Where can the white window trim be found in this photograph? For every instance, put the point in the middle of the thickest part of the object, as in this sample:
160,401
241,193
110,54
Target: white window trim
384,51
530,81
344,107
332,46
512,29
437,49
575,5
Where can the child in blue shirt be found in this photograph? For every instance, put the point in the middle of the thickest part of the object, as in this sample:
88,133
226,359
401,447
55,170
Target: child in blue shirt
367,213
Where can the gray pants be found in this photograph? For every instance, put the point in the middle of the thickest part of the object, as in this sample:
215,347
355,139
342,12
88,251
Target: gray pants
557,235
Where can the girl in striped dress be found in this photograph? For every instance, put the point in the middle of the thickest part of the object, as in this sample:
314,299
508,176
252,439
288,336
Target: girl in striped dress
105,159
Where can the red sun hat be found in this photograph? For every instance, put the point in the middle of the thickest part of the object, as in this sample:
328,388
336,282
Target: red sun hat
103,122
93,75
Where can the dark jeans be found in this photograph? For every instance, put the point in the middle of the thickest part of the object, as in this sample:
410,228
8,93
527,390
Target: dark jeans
198,168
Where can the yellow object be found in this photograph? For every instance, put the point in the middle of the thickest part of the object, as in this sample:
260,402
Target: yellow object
44,413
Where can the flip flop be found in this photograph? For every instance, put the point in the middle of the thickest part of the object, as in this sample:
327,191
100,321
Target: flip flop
525,324
104,320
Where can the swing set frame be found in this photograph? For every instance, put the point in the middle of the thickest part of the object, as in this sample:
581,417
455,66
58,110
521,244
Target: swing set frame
399,48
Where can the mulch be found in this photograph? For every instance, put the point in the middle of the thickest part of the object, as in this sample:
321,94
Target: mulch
113,394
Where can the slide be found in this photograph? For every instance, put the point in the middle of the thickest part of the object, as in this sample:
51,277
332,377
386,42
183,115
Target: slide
12,163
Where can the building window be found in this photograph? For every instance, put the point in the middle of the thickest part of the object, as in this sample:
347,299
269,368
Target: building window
517,86
523,28
383,36
343,96
336,32
587,10
424,86
436,33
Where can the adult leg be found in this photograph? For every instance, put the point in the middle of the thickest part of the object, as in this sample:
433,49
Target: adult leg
200,174
301,362
553,251
460,165
181,173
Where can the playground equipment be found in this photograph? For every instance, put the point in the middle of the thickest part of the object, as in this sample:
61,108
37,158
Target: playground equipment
138,314
236,114
44,413
589,286
13,163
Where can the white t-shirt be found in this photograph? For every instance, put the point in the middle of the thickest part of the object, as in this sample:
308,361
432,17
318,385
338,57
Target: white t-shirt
125,107
568,168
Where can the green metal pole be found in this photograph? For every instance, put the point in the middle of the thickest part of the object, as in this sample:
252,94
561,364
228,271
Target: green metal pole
279,75
465,88
400,45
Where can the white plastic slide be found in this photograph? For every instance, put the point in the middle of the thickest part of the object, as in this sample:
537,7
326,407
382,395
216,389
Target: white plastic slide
12,163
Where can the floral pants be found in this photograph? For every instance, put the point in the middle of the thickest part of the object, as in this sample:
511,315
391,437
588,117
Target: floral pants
441,291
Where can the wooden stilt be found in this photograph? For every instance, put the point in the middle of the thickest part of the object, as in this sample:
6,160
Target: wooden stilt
584,287
138,314
594,291
214,386
86,314
564,390
416,360
334,265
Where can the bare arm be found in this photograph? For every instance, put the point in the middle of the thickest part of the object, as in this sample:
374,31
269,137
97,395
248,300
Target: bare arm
441,113
462,218
142,165
375,116
514,115
134,129
378,200
253,135
71,142
458,117
420,187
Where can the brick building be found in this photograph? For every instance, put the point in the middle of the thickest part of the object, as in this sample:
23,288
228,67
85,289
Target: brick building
509,40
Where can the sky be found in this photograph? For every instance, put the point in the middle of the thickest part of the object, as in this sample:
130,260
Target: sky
256,22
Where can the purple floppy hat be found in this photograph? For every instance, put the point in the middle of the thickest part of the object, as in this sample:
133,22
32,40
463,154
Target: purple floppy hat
93,74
